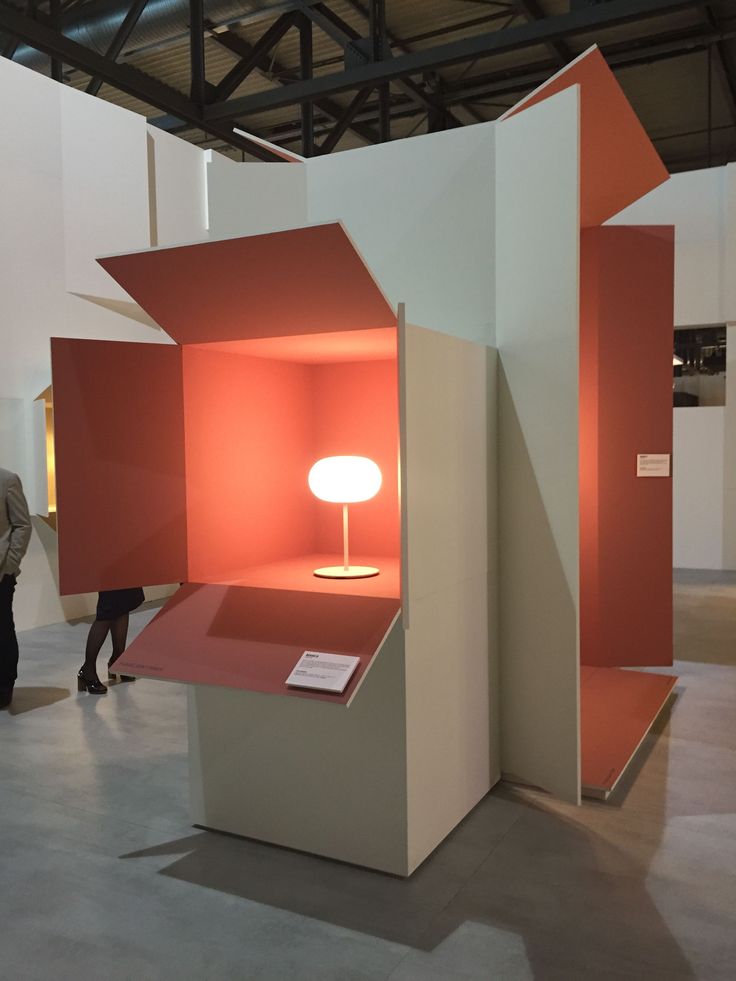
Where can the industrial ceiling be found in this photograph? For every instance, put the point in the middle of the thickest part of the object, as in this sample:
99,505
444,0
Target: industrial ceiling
318,77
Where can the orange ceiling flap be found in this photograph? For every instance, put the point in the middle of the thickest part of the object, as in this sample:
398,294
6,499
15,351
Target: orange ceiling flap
302,281
618,162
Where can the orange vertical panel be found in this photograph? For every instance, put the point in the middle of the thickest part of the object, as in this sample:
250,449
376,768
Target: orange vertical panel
119,464
627,282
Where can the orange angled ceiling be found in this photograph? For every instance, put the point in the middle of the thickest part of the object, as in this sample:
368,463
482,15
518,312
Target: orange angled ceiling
618,163
301,281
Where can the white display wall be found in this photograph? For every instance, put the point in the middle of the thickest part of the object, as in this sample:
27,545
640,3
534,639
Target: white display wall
76,185
698,487
702,206
421,212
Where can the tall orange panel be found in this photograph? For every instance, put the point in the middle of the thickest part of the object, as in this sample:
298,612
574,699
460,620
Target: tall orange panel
627,282
119,432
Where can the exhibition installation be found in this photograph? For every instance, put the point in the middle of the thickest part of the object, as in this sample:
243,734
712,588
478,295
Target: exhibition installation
300,356
387,437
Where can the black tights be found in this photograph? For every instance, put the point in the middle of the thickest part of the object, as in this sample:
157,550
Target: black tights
118,630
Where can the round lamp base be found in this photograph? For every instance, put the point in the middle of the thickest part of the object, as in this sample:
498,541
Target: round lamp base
340,572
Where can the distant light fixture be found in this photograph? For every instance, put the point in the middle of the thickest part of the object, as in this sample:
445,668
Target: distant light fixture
345,480
676,361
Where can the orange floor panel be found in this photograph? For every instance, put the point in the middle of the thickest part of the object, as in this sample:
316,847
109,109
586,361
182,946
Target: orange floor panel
617,708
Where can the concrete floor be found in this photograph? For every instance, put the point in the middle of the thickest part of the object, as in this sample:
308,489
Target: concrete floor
102,876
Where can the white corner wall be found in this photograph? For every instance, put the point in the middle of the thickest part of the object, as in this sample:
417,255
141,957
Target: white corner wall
729,430
177,187
254,198
75,185
537,328
696,204
104,189
702,206
421,212
698,487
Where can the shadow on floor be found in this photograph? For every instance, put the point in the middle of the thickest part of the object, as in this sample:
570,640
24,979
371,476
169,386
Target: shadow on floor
27,698
576,901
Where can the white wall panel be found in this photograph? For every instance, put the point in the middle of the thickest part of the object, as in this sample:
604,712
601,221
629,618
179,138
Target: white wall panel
702,206
694,203
254,198
29,105
12,433
537,289
105,189
697,472
728,265
421,213
54,219
305,773
448,469
178,189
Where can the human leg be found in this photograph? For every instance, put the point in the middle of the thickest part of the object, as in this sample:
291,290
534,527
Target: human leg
87,677
119,634
8,641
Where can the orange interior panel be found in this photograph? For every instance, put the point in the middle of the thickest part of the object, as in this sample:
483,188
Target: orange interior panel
254,427
248,441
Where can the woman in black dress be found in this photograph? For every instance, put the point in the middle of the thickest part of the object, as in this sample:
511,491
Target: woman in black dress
113,607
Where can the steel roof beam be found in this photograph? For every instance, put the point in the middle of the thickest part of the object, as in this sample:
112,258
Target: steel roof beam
618,56
267,65
38,35
724,64
344,34
532,11
120,40
254,55
343,125
611,14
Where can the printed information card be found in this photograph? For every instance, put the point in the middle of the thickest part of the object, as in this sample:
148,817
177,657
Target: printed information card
653,465
323,672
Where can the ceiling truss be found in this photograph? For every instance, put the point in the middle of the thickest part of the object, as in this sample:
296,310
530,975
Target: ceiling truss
382,79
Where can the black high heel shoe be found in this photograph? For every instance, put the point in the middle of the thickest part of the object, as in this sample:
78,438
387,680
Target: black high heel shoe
94,687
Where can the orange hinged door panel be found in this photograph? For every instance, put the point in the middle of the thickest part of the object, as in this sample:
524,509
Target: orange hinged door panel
626,330
119,435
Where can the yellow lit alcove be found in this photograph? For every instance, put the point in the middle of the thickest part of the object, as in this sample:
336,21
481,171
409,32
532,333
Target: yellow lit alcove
48,400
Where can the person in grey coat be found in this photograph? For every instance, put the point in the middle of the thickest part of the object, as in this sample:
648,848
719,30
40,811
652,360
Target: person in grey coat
15,533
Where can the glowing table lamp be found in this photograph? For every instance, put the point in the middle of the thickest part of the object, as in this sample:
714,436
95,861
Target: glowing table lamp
345,480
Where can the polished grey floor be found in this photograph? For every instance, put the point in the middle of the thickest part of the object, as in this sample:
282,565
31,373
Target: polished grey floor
102,876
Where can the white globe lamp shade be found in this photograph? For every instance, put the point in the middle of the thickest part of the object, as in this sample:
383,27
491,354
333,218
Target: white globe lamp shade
345,479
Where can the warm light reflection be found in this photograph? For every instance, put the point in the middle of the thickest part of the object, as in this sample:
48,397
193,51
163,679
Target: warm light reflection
47,398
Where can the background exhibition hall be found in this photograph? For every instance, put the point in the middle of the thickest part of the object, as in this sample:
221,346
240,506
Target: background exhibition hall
491,246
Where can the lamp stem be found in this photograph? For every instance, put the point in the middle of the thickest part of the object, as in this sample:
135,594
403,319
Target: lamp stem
345,536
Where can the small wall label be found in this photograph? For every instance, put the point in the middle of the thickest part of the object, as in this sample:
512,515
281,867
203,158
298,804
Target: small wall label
653,465
323,672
